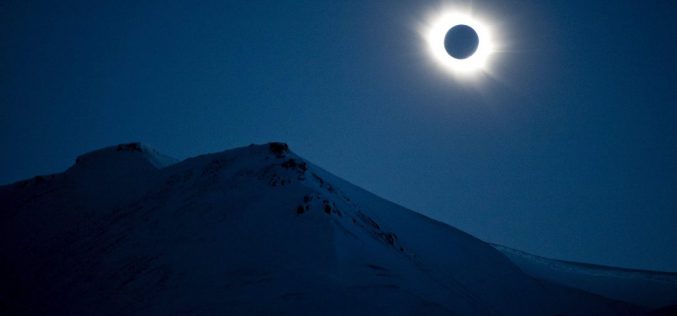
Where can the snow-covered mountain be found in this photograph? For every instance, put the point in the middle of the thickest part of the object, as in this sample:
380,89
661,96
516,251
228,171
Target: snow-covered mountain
647,288
252,230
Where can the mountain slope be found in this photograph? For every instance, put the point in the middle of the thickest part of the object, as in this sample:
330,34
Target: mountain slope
647,288
253,230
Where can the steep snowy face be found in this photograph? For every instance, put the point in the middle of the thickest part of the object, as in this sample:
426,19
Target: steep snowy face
253,230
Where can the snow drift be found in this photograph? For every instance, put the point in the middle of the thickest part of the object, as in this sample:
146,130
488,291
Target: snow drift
647,288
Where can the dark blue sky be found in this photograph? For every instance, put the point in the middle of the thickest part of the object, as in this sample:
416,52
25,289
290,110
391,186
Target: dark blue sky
570,151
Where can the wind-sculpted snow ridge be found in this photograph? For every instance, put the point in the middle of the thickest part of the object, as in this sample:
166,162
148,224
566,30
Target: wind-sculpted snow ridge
116,153
252,230
648,288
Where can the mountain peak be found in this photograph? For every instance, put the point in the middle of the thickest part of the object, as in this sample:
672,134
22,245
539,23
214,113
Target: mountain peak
252,230
128,151
278,148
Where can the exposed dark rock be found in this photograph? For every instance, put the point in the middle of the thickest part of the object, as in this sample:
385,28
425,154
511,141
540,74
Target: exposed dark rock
366,219
389,238
133,147
278,149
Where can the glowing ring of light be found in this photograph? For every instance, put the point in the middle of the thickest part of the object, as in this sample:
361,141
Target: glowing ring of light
435,38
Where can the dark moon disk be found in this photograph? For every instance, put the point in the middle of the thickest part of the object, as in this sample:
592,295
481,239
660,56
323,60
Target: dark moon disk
461,41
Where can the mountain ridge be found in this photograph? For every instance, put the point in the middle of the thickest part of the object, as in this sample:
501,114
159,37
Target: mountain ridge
254,229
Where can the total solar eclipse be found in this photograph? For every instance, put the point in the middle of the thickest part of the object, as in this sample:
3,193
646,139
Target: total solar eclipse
461,41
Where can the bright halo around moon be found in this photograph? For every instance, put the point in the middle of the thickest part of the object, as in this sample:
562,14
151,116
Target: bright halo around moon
436,31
